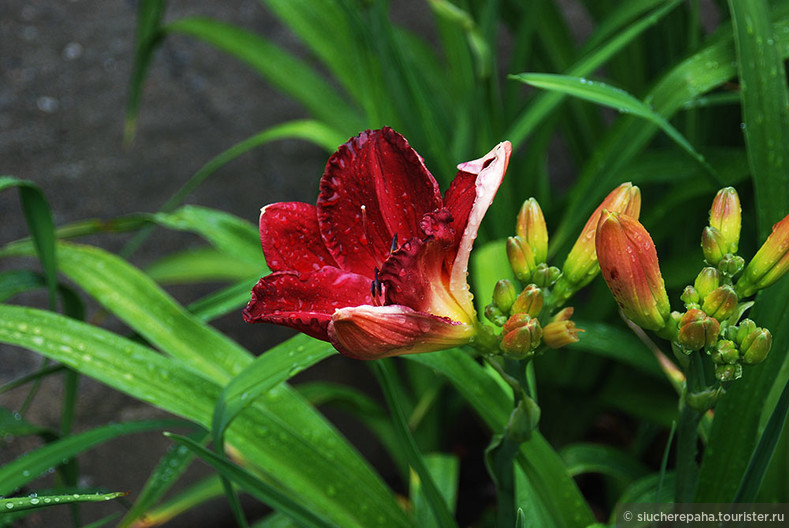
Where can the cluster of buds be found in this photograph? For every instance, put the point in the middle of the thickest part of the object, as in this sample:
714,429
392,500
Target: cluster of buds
532,317
714,303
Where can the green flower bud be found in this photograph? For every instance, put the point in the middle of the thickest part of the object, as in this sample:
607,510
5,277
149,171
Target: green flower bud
745,328
529,301
769,264
713,245
720,303
706,281
545,276
690,297
726,352
730,265
725,216
756,346
494,314
523,420
697,330
521,259
521,335
504,295
728,372
530,228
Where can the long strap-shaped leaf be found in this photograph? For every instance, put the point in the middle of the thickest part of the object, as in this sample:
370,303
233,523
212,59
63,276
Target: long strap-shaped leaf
553,488
289,442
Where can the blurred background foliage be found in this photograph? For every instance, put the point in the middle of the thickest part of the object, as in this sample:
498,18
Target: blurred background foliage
697,100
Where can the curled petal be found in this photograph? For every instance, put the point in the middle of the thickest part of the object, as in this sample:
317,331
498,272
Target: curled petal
374,187
489,171
306,301
290,238
372,332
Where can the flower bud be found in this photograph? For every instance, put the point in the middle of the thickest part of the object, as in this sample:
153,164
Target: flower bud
558,334
770,262
720,303
756,346
521,334
690,297
745,328
545,276
580,267
725,216
726,352
629,264
713,245
728,372
521,259
530,227
504,295
494,314
730,265
529,301
707,280
697,330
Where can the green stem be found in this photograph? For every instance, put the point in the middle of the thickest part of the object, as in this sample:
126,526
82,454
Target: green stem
687,434
437,503
503,467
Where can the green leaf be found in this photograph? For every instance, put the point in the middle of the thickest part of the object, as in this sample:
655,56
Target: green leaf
228,233
27,468
166,473
616,98
148,35
288,442
255,486
268,370
609,341
223,301
201,265
584,458
45,501
291,75
41,225
194,495
551,486
764,107
445,471
760,458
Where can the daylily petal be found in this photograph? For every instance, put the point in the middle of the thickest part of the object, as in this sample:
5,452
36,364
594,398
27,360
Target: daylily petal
416,276
374,187
372,332
489,171
306,301
290,238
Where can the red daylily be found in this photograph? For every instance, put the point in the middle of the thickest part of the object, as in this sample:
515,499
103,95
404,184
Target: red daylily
378,267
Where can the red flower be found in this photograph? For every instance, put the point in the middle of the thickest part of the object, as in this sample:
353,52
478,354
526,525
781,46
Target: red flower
378,267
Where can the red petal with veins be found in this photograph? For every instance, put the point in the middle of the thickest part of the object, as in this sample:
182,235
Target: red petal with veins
372,332
290,238
306,301
380,171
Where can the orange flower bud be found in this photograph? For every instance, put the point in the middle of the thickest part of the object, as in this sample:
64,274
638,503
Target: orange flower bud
530,227
521,335
769,264
529,301
521,258
629,263
720,303
697,330
581,265
560,333
725,216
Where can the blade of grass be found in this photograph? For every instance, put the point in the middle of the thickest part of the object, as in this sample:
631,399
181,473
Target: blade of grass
438,505
603,94
255,486
46,501
27,468
147,38
765,107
